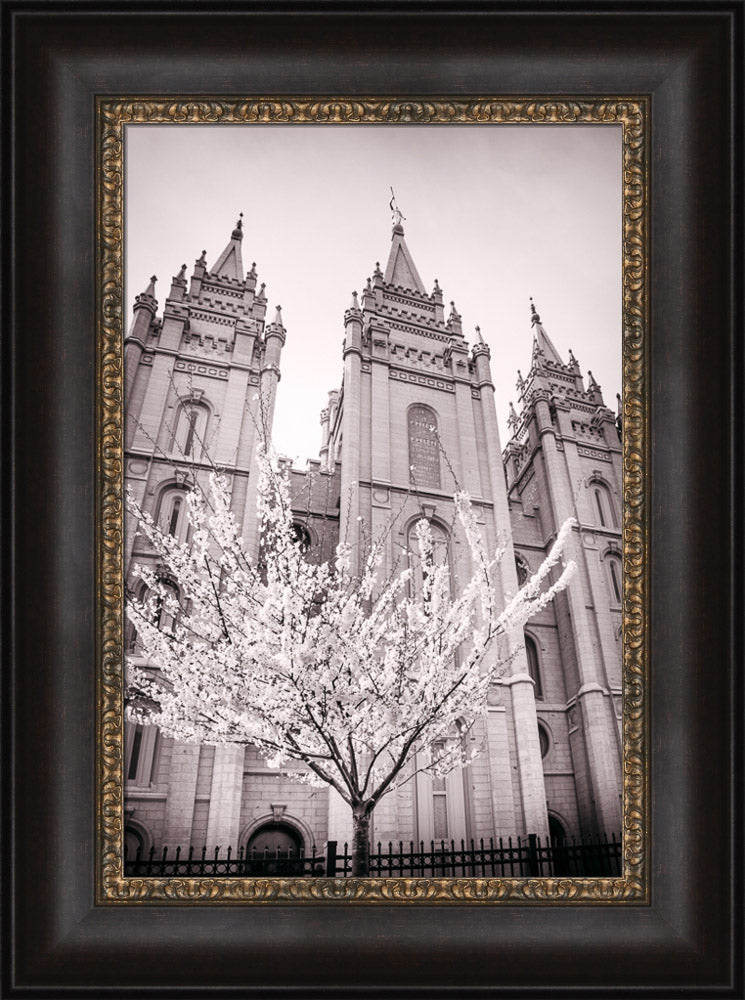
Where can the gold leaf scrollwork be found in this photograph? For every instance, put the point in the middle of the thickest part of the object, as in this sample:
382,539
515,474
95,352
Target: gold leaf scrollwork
112,115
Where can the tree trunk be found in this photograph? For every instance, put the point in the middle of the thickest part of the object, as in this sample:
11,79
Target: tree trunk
361,842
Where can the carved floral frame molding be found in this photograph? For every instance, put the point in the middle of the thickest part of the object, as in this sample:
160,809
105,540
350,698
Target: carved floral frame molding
112,115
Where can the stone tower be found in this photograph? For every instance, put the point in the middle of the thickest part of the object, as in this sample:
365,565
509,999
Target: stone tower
200,385
416,422
565,460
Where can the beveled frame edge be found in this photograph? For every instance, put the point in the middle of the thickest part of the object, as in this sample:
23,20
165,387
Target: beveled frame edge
112,114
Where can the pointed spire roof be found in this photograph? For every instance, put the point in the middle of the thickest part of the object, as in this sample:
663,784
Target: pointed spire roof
230,263
277,321
401,269
543,349
146,299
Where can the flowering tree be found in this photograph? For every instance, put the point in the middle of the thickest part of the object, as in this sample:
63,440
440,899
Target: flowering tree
346,676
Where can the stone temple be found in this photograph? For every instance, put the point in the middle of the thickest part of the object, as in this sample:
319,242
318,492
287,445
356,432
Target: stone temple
551,738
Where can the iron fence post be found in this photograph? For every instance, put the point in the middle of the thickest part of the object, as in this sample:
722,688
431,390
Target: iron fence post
331,859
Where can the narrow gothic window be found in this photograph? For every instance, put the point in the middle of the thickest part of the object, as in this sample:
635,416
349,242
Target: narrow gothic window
424,448
599,502
531,652
172,512
439,799
543,739
191,430
602,500
614,571
166,602
141,745
440,553
522,570
175,512
135,755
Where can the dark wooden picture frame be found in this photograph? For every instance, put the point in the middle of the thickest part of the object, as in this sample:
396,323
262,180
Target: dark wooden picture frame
689,937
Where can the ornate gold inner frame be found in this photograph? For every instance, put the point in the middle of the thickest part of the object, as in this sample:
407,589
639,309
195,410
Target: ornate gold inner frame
112,115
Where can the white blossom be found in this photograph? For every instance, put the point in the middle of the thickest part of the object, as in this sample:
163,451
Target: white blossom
345,680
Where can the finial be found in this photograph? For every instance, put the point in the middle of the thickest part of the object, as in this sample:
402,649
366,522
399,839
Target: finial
478,334
398,215
354,304
204,255
182,272
437,285
237,233
534,317
512,419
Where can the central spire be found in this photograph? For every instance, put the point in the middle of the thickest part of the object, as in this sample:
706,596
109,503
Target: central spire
401,269
543,349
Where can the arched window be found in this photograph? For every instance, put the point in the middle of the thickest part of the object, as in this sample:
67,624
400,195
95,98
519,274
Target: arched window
172,514
522,570
615,579
440,551
190,438
165,605
531,652
603,505
424,447
301,536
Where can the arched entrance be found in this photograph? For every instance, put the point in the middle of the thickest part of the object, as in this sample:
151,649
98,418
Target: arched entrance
275,849
278,840
561,855
556,830
137,845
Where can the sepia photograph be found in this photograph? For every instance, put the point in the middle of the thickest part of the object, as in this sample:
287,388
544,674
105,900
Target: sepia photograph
373,462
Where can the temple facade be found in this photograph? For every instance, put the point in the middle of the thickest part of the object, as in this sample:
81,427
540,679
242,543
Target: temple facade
413,421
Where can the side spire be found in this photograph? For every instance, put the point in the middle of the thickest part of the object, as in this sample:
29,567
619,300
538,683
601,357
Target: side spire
543,349
230,263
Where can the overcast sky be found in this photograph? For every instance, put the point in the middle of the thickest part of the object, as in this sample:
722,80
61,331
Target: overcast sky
496,213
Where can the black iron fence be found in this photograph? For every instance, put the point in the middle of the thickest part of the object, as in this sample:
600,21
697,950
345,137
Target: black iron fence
254,864
511,857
